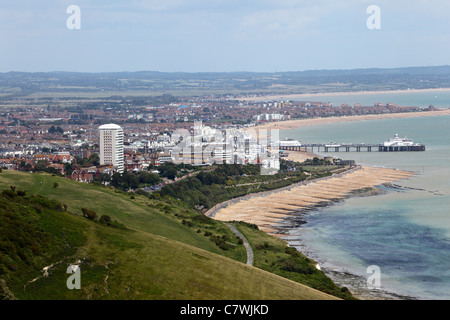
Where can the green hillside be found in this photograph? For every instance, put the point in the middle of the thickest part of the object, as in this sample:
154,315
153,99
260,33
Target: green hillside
150,250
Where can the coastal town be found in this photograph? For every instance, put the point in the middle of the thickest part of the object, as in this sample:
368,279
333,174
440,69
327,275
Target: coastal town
65,140
216,158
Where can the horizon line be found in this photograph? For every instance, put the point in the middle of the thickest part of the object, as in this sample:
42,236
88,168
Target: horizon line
212,72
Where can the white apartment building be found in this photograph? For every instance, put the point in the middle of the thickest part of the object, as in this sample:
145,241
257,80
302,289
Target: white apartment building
111,145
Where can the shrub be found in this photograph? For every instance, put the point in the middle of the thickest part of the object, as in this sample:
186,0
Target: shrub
186,223
90,214
261,246
37,207
296,265
223,245
104,219
290,250
203,219
117,225
345,290
47,203
220,242
5,293
142,192
9,193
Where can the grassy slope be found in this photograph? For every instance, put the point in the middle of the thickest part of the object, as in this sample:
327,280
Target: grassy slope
159,259
140,213
271,254
126,264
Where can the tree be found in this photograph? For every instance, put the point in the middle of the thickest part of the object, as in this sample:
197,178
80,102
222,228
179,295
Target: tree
148,178
116,180
94,159
170,173
104,177
40,166
130,181
68,169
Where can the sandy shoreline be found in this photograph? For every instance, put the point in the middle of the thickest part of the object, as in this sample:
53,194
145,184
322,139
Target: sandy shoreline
293,124
273,212
269,211
301,156
326,94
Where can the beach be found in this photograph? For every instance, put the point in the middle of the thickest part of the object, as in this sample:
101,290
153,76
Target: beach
292,124
276,212
271,211
301,156
319,95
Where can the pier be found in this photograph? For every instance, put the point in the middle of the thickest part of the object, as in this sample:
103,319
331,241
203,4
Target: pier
395,144
323,147
303,148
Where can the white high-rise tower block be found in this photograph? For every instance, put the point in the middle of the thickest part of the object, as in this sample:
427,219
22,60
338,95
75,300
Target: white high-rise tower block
111,145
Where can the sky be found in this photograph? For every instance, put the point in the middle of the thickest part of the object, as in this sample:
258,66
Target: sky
221,35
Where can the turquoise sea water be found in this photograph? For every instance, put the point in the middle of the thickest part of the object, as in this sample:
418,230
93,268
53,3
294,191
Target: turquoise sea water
406,232
437,98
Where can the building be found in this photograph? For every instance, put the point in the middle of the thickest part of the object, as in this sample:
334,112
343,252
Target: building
111,146
269,117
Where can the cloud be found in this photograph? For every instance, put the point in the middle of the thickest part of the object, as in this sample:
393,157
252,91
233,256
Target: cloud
288,20
283,23
240,34
159,5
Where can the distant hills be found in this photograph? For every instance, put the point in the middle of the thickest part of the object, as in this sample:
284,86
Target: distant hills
21,84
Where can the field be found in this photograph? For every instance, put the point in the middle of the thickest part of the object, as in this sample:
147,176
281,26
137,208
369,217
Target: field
71,88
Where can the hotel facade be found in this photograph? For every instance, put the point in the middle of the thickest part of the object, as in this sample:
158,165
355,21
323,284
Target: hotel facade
111,146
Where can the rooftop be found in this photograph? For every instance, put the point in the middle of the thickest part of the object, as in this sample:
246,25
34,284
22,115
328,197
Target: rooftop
110,126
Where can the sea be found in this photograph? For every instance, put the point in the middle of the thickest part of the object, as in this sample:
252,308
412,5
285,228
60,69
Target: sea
412,98
405,230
